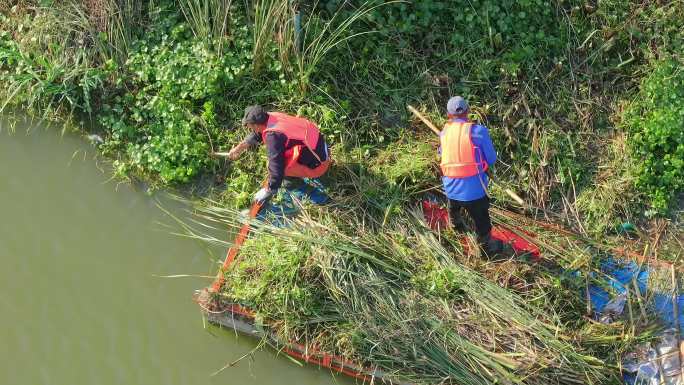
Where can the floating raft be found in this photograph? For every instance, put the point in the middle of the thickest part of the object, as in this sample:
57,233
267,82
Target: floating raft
242,319
620,272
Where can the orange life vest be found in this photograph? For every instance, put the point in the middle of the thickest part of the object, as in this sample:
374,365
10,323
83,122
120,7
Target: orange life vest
458,151
295,169
295,128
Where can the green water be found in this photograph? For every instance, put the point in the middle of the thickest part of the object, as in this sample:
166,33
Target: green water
79,300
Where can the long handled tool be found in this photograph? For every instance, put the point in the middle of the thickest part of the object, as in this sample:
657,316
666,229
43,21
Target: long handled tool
233,251
434,129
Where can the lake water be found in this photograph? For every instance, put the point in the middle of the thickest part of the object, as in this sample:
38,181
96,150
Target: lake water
80,299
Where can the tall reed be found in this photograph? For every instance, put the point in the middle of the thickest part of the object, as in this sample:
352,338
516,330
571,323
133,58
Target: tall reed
52,64
126,17
269,15
318,40
208,19
301,51
113,24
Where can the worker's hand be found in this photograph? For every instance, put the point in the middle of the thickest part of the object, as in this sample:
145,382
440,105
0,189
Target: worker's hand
263,195
235,153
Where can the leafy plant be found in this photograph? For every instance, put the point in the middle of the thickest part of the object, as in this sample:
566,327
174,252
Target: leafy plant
156,126
655,119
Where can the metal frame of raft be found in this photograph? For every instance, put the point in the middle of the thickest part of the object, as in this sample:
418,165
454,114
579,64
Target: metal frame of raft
243,320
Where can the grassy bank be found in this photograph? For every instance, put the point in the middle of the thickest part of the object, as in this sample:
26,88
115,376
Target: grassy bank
583,101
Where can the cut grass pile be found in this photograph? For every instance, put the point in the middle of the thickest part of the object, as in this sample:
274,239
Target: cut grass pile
380,288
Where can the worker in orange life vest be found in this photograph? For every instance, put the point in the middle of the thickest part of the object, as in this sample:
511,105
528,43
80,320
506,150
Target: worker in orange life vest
467,152
294,146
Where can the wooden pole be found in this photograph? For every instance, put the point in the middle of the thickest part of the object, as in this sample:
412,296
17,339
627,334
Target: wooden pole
424,120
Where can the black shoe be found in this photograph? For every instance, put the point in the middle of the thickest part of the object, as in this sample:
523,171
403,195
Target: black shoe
492,248
460,227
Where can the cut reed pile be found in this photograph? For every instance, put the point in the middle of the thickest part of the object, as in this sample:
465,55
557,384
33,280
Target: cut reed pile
380,288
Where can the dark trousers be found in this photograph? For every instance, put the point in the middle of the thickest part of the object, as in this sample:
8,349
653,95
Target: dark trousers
478,210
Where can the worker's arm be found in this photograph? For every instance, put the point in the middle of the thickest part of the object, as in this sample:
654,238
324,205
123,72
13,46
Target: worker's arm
481,139
236,151
275,151
252,140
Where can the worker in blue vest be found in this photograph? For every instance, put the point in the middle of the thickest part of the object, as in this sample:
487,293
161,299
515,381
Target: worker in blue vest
467,152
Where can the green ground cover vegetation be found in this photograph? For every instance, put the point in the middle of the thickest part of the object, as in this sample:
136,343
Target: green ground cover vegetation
583,100
559,84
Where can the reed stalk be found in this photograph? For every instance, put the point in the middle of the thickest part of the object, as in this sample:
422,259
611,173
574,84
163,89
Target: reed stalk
268,16
317,40
208,19
62,77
